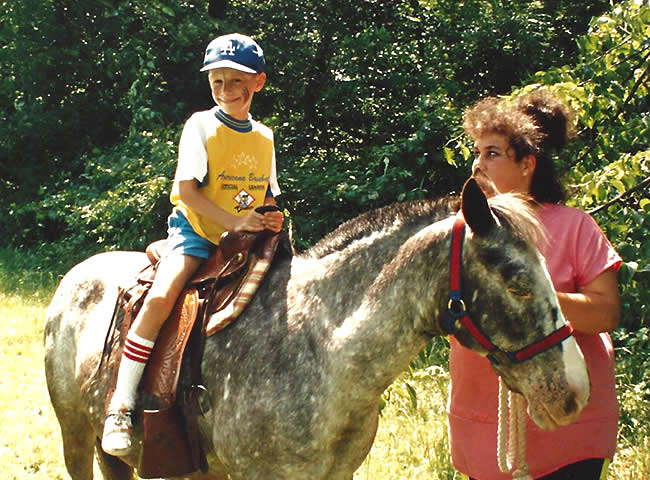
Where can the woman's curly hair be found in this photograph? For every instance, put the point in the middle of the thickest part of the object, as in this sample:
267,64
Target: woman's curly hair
536,123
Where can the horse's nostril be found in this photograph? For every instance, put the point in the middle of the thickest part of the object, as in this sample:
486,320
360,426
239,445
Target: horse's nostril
570,404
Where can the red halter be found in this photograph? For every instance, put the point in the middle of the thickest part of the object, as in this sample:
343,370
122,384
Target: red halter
456,310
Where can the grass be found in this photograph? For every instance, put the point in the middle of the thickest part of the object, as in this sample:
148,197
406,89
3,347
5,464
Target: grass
30,446
411,441
30,441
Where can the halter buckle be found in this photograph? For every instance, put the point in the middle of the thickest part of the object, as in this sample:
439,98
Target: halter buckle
456,309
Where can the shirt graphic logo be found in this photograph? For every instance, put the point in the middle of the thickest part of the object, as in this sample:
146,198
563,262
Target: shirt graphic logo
243,200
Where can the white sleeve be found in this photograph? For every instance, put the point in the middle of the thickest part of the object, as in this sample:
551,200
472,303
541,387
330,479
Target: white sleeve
273,178
192,153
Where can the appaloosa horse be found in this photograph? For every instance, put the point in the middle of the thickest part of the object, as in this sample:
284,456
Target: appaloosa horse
293,386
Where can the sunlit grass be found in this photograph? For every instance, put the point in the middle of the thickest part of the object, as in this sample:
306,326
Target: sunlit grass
631,462
22,274
30,446
411,440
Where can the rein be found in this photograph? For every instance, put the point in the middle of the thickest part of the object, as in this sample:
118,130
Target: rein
457,310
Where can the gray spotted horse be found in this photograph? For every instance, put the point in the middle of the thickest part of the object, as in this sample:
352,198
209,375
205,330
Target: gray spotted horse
292,388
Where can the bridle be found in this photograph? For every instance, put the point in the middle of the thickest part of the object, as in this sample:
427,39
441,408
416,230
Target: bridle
457,311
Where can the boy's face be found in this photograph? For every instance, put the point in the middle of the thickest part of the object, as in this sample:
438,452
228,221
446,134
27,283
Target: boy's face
233,90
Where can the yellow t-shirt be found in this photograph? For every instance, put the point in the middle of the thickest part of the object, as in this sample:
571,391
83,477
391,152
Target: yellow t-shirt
233,161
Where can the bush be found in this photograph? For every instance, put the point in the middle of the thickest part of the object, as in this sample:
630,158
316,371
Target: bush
120,201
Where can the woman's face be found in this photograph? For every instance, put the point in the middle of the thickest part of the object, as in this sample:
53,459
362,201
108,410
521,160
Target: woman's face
496,158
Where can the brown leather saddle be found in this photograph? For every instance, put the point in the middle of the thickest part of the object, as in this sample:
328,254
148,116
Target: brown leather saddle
170,424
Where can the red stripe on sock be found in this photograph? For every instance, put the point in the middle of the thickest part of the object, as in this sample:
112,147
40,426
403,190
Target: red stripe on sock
136,352
134,358
136,349
137,346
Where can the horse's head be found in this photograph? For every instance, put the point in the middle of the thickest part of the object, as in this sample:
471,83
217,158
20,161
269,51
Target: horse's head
512,312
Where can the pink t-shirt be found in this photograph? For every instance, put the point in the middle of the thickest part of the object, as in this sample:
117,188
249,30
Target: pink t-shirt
576,252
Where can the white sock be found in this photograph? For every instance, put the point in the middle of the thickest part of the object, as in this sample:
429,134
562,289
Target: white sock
134,359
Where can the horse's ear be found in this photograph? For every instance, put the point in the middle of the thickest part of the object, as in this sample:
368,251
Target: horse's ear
476,210
486,184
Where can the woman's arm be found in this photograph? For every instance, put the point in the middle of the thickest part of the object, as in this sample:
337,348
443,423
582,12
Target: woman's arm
596,307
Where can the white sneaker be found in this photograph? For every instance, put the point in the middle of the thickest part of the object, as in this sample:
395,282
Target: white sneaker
116,439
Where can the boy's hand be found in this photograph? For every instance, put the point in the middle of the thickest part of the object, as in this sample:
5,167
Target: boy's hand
273,220
256,222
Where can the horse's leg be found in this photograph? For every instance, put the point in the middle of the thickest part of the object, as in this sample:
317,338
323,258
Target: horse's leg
112,468
77,437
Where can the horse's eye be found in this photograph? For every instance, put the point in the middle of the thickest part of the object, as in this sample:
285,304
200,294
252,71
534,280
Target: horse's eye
521,292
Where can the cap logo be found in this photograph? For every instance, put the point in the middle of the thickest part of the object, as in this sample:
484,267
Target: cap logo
228,49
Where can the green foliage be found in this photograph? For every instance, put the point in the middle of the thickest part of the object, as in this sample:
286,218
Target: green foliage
365,99
24,274
633,365
626,223
121,199
118,200
435,353
362,95
608,166
80,79
377,90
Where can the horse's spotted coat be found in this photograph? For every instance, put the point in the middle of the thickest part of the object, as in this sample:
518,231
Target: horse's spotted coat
293,385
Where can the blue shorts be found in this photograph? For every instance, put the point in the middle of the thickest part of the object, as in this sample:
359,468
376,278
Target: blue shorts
182,239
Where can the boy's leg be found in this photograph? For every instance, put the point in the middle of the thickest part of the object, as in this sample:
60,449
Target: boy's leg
172,275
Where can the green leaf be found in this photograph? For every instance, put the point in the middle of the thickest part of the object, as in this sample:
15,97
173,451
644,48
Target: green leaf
412,395
618,185
449,156
465,151
644,203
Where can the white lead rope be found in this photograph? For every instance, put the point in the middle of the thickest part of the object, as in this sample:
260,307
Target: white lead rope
511,438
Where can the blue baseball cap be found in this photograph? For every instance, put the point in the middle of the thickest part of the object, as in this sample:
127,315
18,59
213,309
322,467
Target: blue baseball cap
234,51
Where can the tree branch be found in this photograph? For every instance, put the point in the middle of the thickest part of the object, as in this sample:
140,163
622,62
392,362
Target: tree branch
638,186
638,82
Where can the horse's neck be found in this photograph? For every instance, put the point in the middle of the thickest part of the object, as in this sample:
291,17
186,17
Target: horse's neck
381,304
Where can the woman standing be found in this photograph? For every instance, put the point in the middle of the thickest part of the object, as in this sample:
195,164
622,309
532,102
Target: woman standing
514,143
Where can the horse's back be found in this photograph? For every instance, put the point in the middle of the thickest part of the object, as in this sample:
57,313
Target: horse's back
88,287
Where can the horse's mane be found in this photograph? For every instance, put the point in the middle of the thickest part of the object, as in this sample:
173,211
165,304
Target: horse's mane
398,215
517,212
